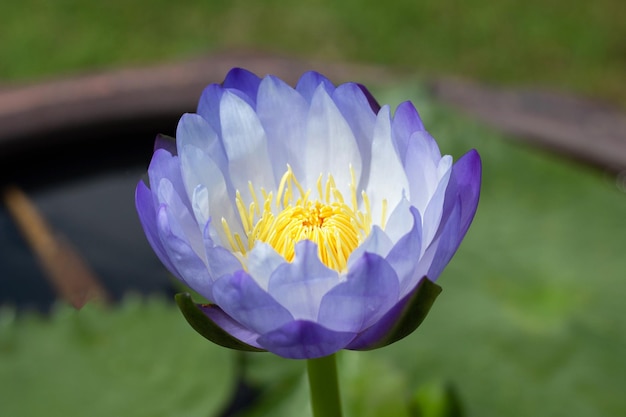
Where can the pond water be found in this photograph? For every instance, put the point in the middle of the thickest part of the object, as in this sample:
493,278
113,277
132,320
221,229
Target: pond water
84,189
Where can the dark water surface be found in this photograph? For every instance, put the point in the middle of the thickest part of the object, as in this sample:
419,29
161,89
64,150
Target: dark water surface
84,189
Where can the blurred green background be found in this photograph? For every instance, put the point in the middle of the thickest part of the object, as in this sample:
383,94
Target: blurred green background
575,45
531,320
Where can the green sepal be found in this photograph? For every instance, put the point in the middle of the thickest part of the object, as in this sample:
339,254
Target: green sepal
413,314
202,324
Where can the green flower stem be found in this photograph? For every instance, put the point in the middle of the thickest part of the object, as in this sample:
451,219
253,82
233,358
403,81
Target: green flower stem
324,386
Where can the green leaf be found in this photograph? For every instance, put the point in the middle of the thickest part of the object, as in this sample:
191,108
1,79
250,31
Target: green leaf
436,399
207,327
136,359
415,311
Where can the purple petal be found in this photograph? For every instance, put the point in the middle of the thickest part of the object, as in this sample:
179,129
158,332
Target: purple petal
406,121
235,329
144,202
465,181
191,269
460,205
243,300
304,340
440,251
446,244
370,290
370,98
183,223
300,285
243,80
308,83
374,334
166,143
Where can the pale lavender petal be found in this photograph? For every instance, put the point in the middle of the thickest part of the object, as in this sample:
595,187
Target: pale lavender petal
310,81
330,147
387,180
356,109
376,242
304,340
165,165
283,114
226,322
261,262
300,285
209,105
369,291
406,121
191,269
405,255
212,195
433,214
400,221
196,131
220,261
243,300
421,170
246,146
184,225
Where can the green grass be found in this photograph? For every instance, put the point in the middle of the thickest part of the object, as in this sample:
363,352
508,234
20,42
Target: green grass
578,46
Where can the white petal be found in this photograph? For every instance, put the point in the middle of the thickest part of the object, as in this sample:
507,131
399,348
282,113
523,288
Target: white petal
387,179
330,147
434,210
283,114
377,242
246,146
185,227
261,261
210,196
421,170
400,221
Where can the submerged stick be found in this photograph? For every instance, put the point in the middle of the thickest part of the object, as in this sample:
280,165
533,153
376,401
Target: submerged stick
67,271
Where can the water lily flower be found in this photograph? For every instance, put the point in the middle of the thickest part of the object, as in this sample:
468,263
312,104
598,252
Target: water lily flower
311,218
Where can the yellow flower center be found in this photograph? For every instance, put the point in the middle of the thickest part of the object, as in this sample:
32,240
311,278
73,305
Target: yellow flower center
336,227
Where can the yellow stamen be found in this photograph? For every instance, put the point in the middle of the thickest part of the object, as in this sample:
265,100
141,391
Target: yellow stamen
333,225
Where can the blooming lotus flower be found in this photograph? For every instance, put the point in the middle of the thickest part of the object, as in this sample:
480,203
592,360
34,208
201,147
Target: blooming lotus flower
312,218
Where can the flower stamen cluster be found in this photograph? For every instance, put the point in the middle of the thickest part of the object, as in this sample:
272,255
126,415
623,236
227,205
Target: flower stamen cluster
336,227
